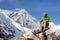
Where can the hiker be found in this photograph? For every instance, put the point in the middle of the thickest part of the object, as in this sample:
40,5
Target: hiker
44,22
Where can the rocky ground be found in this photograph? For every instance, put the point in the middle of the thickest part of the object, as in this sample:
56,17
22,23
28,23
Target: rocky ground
41,36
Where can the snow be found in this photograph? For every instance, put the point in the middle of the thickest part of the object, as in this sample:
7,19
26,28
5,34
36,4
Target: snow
12,24
53,27
24,19
56,28
20,21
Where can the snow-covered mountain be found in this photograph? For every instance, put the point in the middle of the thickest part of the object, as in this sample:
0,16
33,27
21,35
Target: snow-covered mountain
9,26
24,18
18,21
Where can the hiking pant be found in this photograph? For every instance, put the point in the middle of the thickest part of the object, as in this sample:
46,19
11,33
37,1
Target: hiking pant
44,26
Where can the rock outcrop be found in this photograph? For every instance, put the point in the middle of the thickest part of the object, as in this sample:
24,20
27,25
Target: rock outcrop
47,35
41,36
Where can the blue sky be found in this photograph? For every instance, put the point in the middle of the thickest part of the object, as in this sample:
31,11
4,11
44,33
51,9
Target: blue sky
35,7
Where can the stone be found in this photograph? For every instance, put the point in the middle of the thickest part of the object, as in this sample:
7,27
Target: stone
30,35
1,39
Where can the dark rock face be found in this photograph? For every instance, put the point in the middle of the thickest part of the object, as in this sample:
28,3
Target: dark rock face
1,35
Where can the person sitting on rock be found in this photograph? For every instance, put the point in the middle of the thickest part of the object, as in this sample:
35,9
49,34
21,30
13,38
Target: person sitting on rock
44,22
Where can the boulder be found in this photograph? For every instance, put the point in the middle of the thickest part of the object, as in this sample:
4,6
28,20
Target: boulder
30,36
1,39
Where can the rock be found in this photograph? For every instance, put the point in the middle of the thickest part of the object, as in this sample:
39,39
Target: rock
47,35
21,38
41,36
30,36
48,32
18,38
1,39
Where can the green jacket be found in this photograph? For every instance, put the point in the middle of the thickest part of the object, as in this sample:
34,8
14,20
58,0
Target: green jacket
44,19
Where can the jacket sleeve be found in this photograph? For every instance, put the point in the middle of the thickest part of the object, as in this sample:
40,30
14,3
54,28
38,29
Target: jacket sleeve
48,19
41,20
